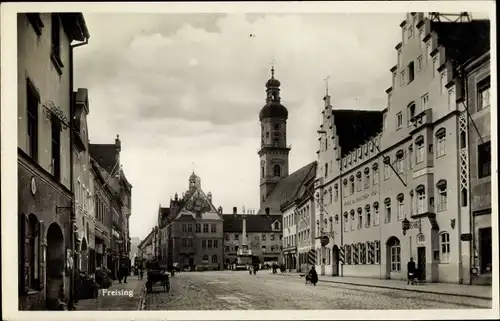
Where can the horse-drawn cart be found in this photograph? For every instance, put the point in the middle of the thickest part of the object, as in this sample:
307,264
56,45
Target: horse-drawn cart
157,274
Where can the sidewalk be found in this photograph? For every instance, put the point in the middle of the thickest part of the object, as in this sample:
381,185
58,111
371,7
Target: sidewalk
116,300
470,291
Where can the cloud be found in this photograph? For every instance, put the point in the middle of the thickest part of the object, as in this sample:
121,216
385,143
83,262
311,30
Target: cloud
188,88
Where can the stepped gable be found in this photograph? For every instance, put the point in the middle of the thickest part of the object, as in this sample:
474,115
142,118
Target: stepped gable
287,188
233,223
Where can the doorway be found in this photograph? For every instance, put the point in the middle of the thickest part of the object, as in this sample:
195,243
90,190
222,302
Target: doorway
485,250
335,261
55,264
421,262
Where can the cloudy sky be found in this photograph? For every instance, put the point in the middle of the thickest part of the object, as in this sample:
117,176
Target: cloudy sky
187,88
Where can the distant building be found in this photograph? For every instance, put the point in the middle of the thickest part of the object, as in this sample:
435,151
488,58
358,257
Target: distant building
108,158
44,158
193,228
264,235
403,188
477,99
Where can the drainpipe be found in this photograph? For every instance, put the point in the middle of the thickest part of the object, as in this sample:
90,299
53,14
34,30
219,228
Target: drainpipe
71,142
341,199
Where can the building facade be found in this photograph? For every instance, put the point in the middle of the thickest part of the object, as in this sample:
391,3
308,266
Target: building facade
108,158
45,196
102,226
400,189
477,86
83,185
298,218
194,230
264,236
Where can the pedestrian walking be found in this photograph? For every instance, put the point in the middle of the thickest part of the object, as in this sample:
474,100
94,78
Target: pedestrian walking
313,276
411,271
124,272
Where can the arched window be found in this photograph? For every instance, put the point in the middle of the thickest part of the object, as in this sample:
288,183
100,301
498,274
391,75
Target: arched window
388,213
336,187
368,216
440,142
395,250
442,202
360,218
444,247
214,258
411,113
346,222
358,178
277,170
401,206
352,184
420,190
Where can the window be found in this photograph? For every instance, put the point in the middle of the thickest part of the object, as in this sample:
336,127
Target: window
411,113
425,101
442,203
352,185
376,216
419,63
440,142
434,66
411,72
402,78
56,42
213,228
190,228
399,120
32,99
198,229
346,222
412,199
227,237
263,248
367,178
360,186
336,193
263,237
184,228
377,252
236,248
56,148
226,248
484,159
388,210
209,244
401,206
483,94
410,157
214,259
444,245
420,199
375,176
277,170
400,162
420,151
236,237
387,171
326,170
368,216
395,256
205,259
205,228
203,244
360,218
442,82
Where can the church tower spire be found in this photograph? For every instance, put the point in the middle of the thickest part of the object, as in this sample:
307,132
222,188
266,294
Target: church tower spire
273,150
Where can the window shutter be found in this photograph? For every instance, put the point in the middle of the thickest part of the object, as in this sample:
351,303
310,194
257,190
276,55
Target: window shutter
26,266
42,245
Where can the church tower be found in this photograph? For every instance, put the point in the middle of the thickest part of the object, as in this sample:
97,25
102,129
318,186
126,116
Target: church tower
273,150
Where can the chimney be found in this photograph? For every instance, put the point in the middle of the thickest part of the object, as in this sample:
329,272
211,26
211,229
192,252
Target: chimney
235,210
267,211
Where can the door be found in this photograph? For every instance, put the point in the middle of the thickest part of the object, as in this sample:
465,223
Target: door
485,250
335,261
421,262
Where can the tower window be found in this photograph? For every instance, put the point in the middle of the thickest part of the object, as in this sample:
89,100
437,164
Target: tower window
276,126
277,170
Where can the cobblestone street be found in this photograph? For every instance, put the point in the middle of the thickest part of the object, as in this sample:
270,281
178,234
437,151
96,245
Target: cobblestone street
119,300
231,290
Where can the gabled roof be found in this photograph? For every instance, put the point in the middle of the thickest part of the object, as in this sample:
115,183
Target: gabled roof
196,200
105,155
255,223
287,188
